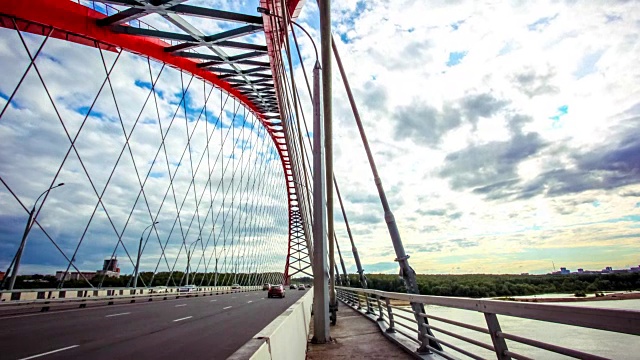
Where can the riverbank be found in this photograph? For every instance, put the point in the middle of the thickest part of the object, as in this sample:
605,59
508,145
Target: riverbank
606,297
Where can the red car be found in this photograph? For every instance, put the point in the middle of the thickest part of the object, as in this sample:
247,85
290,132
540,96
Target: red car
276,291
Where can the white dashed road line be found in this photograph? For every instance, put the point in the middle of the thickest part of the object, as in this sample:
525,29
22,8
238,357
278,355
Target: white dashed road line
228,307
120,314
181,305
184,318
213,300
50,352
249,302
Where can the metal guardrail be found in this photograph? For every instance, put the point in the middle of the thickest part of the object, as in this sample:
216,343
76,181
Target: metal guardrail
399,320
112,298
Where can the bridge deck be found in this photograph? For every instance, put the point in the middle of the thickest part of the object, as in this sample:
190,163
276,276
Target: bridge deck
210,327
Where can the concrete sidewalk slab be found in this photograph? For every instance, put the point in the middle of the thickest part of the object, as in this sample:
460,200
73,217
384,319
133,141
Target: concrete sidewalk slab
354,337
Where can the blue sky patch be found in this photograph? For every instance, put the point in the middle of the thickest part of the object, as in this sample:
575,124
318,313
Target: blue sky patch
14,104
143,84
456,25
634,218
455,58
84,110
507,48
588,64
541,23
562,111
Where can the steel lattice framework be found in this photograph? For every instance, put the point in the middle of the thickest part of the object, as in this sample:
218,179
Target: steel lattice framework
230,60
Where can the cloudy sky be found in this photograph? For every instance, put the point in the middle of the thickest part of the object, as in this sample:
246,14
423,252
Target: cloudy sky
506,134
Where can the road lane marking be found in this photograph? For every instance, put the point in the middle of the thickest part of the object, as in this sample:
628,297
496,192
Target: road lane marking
233,297
213,300
112,315
181,305
262,299
184,318
50,352
228,307
249,302
246,295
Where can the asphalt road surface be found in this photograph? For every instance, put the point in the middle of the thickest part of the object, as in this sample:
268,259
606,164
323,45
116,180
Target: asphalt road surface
209,327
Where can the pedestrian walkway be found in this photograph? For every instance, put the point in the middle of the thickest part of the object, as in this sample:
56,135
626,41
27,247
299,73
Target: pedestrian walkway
354,337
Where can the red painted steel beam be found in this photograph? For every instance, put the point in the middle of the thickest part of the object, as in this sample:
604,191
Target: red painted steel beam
76,23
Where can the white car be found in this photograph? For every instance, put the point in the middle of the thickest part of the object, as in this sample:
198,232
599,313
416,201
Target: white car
187,289
235,287
159,290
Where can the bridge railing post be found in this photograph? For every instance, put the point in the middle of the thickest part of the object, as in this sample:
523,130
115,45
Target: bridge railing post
359,300
368,303
499,344
422,329
380,317
392,325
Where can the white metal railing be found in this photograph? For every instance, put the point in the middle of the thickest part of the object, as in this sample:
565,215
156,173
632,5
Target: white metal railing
401,320
112,296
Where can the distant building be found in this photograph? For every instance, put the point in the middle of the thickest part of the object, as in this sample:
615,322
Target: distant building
565,271
1,275
607,270
109,268
74,275
110,264
635,269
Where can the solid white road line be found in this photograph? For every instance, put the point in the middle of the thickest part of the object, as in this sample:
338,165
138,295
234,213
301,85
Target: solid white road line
50,352
112,315
181,305
228,307
184,318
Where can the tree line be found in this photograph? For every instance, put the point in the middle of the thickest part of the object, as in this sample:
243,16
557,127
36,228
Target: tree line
177,278
482,285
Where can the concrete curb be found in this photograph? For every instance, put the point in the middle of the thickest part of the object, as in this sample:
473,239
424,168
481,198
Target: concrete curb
284,338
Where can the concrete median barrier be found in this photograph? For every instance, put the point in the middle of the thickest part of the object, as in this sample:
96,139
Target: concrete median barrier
285,338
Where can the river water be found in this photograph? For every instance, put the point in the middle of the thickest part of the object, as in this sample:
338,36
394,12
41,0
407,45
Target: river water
603,343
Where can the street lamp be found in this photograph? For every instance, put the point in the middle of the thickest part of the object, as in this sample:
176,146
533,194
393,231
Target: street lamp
135,281
267,12
27,229
189,257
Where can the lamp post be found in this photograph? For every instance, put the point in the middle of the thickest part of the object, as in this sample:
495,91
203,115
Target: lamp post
319,261
267,12
189,258
27,229
135,278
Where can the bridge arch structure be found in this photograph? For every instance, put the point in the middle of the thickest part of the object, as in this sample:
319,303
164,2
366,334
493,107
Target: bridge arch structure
236,68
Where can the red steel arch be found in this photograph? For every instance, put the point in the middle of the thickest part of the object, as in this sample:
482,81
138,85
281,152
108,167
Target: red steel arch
76,23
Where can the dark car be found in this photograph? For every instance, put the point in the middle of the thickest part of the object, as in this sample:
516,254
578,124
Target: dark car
293,286
276,291
301,287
